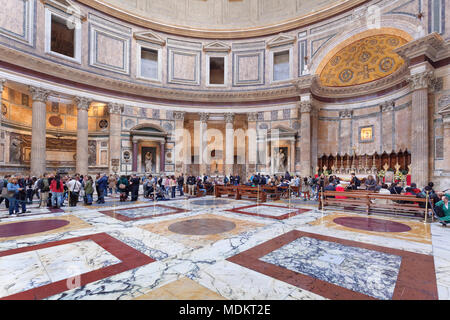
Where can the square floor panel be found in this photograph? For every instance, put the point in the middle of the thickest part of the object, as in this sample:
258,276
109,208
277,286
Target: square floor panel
55,267
145,212
269,211
352,270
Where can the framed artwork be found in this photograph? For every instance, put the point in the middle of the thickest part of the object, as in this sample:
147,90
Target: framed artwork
366,134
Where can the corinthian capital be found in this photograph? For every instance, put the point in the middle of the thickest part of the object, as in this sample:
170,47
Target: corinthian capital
39,94
252,116
82,103
229,117
305,106
179,115
204,116
421,80
346,114
115,108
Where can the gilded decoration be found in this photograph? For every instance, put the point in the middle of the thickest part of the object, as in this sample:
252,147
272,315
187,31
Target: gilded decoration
363,61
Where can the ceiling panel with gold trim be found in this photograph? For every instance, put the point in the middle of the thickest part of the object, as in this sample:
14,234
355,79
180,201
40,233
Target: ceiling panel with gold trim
363,61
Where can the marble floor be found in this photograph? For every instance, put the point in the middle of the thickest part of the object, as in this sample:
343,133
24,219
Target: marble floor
219,249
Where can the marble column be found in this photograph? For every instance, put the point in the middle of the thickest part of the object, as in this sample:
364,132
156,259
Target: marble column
162,157
305,142
314,138
203,141
82,164
420,128
115,128
229,143
252,142
38,130
180,143
135,156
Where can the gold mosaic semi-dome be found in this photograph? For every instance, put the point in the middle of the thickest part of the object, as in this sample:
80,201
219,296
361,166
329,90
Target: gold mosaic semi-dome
363,61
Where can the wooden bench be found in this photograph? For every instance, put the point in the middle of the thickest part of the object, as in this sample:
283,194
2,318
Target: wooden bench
271,192
251,193
374,202
228,190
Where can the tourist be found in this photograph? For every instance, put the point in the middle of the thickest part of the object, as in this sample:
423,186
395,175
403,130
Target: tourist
414,188
88,191
340,188
354,182
44,189
134,187
306,189
371,183
166,183
112,180
173,186
57,189
395,188
101,184
191,185
180,182
74,187
201,187
13,191
122,186
22,195
444,209
4,191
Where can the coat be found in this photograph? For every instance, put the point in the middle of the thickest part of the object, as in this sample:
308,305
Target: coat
88,189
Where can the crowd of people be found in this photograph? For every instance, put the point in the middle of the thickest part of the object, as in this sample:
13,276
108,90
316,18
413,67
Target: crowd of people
53,190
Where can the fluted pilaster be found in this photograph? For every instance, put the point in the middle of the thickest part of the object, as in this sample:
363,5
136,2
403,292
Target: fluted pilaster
115,110
305,142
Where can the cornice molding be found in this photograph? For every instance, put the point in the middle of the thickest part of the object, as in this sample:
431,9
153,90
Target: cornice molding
99,81
225,33
68,7
432,46
390,81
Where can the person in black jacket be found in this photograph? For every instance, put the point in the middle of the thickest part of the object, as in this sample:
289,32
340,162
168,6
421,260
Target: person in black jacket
134,187
191,182
180,182
22,196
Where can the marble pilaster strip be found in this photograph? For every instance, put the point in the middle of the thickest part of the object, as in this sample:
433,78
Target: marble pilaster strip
82,164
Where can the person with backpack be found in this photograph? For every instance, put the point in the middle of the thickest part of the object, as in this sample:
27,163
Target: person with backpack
57,189
122,186
88,191
74,187
44,189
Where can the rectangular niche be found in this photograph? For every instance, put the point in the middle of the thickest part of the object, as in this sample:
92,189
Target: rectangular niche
183,66
62,39
248,68
281,66
149,63
216,70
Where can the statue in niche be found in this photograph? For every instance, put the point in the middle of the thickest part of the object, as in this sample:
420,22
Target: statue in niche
280,159
15,150
148,162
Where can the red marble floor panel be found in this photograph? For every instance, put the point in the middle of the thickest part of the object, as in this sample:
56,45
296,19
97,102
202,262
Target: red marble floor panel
416,279
29,227
122,217
130,259
297,211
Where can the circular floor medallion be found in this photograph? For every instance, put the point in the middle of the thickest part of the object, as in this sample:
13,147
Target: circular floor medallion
30,227
371,224
202,227
210,202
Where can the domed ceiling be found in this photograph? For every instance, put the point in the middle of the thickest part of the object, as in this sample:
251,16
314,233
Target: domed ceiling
363,61
216,16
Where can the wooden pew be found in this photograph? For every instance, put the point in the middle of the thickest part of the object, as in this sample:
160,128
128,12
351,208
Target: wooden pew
225,190
371,203
271,192
251,193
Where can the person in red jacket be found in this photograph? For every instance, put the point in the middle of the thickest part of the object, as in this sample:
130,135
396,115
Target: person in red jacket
57,189
340,188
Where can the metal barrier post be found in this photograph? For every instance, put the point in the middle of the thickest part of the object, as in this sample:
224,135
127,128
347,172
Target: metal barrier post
426,208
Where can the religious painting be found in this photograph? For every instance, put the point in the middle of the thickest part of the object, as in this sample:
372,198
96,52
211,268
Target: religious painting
366,134
148,159
389,177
